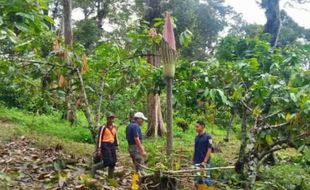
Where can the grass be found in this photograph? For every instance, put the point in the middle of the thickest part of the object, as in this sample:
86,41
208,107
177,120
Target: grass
10,131
48,131
52,126
48,124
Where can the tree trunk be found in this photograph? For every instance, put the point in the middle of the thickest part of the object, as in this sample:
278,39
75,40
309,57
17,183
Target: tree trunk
71,109
102,11
67,9
169,117
226,139
155,119
253,154
273,24
242,151
100,97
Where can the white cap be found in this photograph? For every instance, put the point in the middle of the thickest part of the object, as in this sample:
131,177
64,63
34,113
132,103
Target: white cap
140,115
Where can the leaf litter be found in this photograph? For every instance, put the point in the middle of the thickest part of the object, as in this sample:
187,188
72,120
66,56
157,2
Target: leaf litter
24,167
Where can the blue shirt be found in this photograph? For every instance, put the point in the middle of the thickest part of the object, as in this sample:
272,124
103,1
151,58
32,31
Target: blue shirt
133,131
202,143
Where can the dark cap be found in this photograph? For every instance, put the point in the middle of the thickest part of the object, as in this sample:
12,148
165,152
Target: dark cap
110,114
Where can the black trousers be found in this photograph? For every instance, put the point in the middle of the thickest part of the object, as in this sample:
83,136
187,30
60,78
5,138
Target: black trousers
108,152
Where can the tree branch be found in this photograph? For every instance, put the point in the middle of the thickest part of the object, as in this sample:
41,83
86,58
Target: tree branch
271,127
87,109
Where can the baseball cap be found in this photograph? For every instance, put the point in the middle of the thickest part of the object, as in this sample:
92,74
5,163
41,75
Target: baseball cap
110,114
140,115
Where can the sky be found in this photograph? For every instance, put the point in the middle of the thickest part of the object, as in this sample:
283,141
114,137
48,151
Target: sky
252,12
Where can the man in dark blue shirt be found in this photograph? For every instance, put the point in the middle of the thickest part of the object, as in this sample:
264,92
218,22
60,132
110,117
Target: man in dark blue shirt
134,139
203,150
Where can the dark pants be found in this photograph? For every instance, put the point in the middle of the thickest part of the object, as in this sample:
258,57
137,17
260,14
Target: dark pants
108,153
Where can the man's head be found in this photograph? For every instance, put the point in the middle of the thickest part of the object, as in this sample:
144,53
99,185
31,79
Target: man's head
110,118
139,118
200,126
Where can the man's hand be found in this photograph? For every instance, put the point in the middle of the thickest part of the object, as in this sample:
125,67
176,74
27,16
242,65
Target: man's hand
144,153
98,152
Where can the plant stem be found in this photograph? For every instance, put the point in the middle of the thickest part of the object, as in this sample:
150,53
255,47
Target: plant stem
169,116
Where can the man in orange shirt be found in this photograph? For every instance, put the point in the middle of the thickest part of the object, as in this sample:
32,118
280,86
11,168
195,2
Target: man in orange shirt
106,147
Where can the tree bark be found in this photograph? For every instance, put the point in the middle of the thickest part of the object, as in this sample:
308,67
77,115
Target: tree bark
155,119
102,10
100,97
226,139
242,151
67,10
273,24
253,154
169,117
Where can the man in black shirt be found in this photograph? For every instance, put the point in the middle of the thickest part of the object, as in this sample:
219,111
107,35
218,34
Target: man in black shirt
203,150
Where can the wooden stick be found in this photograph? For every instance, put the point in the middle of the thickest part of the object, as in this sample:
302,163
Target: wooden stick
200,169
187,171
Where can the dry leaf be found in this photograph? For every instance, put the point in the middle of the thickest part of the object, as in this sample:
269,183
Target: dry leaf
56,45
85,66
61,81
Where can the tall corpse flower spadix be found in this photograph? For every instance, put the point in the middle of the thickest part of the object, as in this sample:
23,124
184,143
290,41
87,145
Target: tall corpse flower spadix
168,48
168,55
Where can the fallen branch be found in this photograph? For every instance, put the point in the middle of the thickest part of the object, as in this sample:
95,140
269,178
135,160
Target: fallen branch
170,172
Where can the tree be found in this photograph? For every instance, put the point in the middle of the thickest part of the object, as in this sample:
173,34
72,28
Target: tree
273,24
87,33
155,119
205,19
68,37
264,84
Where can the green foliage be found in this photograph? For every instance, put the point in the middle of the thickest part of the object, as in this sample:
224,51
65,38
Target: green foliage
288,176
22,18
87,33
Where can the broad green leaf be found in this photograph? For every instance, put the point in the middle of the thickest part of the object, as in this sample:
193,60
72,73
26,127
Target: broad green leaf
186,38
25,15
21,27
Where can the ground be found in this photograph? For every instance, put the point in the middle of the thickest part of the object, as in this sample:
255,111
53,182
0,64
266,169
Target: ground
44,152
35,158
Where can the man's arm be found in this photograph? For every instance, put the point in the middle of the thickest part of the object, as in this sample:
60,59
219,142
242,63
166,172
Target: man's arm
140,146
207,155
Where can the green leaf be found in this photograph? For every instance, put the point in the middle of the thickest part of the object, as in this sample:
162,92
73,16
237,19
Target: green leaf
269,139
186,38
293,97
49,19
21,27
28,16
